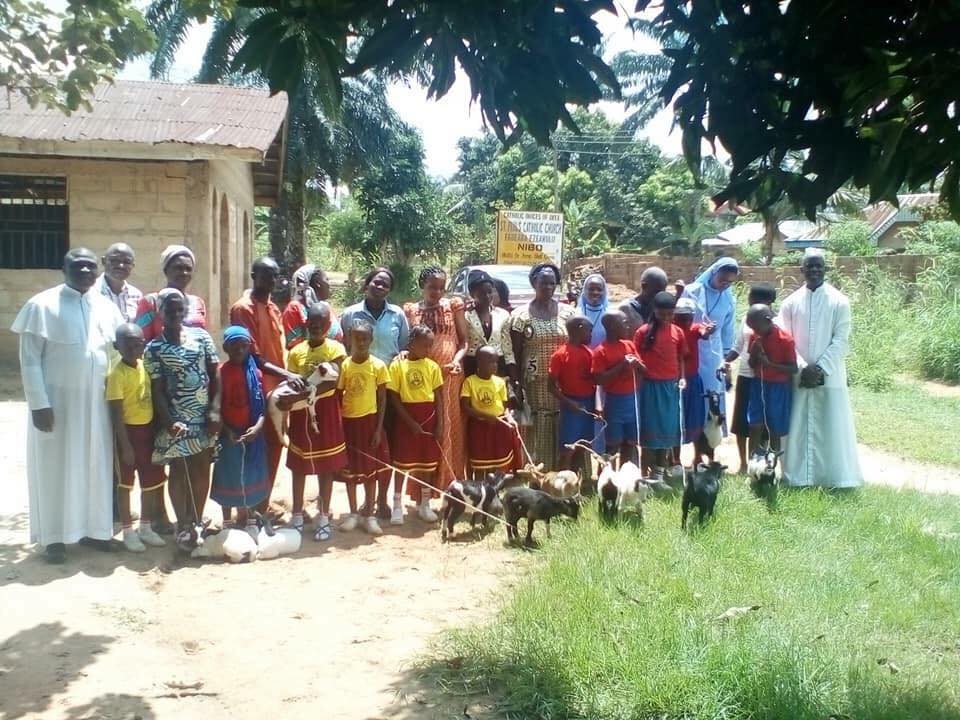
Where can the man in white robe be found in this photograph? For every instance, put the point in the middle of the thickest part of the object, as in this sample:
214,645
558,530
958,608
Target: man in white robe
821,448
66,346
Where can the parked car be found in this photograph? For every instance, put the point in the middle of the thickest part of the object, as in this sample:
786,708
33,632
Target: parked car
517,278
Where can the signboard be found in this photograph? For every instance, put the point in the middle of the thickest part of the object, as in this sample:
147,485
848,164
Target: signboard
527,237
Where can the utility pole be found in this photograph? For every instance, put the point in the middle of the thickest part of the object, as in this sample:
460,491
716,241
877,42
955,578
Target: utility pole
556,178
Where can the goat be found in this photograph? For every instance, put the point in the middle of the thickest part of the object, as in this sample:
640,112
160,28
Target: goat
558,483
701,491
483,496
762,467
322,379
534,505
274,542
201,542
712,435
621,489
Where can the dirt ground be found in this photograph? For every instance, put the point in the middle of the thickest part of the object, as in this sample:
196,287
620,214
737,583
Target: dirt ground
330,632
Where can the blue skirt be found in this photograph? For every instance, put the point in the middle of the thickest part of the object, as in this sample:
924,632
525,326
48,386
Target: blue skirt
694,409
770,405
659,414
240,474
620,413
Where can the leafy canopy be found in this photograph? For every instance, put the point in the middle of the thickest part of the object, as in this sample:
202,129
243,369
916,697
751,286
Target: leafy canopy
866,91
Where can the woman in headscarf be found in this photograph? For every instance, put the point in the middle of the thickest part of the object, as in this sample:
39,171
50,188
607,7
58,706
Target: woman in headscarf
538,329
445,317
240,474
715,303
593,303
178,263
310,285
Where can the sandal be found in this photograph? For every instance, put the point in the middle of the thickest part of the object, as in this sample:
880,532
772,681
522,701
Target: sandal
323,533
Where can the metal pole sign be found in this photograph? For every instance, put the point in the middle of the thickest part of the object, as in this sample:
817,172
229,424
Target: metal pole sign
527,237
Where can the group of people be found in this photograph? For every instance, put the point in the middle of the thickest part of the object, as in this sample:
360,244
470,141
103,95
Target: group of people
122,384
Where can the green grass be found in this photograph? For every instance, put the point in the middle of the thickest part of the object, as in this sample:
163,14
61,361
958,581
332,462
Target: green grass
908,421
859,616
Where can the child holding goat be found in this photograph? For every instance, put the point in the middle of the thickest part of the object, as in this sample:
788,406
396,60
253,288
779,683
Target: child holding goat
417,422
491,430
663,352
571,382
362,385
773,358
321,451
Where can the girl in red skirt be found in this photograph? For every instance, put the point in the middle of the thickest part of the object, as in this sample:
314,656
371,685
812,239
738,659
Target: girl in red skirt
363,388
491,431
320,452
417,421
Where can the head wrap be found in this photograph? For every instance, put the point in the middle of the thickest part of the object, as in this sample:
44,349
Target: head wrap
476,278
301,284
236,332
685,306
166,294
594,313
540,267
173,251
724,263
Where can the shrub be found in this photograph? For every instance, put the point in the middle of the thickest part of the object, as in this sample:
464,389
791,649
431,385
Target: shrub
791,259
851,237
752,253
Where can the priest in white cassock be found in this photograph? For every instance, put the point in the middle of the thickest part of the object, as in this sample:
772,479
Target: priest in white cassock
821,448
66,346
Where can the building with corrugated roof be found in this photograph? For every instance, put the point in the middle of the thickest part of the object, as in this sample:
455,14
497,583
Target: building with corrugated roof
149,164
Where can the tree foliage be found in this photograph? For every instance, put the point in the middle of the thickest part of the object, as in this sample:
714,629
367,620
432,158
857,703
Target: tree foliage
866,92
56,59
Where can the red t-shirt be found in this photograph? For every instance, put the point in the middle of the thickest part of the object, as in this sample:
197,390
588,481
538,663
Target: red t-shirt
571,369
606,355
692,335
663,357
779,346
235,396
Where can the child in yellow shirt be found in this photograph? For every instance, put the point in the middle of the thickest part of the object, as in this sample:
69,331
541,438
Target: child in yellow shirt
491,432
363,384
131,409
417,422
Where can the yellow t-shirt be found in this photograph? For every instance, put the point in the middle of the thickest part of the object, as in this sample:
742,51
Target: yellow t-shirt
415,380
132,385
303,359
359,383
486,396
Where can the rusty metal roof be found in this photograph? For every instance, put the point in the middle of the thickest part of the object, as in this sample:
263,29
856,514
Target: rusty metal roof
155,113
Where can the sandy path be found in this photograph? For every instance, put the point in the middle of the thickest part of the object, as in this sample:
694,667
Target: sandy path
327,633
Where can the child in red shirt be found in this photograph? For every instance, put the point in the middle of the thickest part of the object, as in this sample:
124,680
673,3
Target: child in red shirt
571,382
663,351
694,409
773,357
615,368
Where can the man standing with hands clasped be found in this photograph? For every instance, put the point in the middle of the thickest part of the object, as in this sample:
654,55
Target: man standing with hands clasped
66,338
821,449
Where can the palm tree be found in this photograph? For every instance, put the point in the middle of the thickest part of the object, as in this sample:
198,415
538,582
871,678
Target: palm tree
643,75
319,146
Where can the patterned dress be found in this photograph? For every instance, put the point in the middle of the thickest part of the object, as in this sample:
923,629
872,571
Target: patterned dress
499,338
445,345
184,369
151,321
542,338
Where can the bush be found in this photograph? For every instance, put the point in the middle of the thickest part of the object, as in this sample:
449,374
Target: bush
791,259
881,319
851,237
752,253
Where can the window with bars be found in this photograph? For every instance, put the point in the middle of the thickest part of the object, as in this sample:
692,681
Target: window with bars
34,222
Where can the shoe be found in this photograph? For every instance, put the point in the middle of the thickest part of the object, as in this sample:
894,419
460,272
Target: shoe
426,514
56,553
349,523
98,545
132,542
371,526
323,532
397,517
163,527
149,537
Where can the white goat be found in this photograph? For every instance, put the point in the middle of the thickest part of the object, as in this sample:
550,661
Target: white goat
621,489
322,379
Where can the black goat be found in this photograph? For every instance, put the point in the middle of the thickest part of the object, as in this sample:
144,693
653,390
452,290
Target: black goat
483,496
520,502
701,490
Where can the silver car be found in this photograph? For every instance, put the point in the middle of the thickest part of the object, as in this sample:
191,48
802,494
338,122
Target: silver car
517,278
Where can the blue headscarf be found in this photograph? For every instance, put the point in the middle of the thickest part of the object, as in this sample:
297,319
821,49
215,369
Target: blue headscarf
254,387
718,306
594,313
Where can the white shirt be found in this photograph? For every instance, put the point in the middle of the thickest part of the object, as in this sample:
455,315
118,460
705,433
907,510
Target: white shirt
126,301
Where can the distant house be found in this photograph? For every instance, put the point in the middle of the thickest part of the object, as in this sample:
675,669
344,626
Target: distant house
752,232
887,222
151,164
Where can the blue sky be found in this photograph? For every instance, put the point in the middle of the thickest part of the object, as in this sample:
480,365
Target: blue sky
444,121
